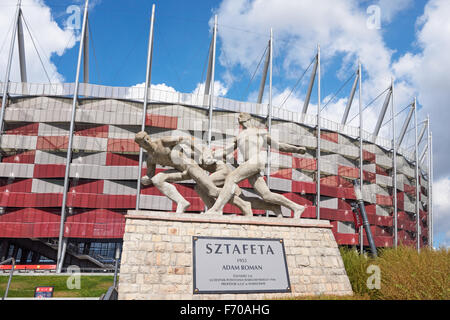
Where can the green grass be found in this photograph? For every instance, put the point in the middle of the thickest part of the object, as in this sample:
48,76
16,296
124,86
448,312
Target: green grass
23,286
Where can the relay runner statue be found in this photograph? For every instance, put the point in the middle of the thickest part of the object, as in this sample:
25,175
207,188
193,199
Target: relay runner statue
250,142
163,151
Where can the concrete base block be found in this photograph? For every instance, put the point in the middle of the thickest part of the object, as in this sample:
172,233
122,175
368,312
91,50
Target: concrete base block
157,256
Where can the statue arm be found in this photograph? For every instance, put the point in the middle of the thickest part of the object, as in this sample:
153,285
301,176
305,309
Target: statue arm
207,156
189,141
231,147
172,141
151,169
285,147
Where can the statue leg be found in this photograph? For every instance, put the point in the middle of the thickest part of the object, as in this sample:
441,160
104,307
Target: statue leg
203,181
260,204
218,178
244,206
244,171
263,190
161,181
146,180
209,202
211,191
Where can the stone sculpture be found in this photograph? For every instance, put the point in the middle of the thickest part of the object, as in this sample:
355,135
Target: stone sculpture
219,171
163,152
166,151
250,142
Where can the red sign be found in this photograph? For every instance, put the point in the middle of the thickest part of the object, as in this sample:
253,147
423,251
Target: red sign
357,219
43,292
29,267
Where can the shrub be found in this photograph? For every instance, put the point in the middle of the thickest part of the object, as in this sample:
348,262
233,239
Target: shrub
356,266
408,274
405,273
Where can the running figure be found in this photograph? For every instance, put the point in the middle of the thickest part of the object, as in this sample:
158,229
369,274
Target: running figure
250,142
163,152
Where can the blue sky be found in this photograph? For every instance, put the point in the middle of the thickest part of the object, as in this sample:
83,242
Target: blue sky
409,45
182,35
120,36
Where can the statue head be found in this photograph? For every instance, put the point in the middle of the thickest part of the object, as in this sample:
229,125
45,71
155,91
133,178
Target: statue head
143,139
244,118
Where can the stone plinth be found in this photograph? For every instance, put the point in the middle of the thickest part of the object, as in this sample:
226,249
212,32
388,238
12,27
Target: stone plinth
157,254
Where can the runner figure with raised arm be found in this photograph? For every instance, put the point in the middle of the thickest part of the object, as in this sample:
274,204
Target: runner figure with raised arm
250,142
219,172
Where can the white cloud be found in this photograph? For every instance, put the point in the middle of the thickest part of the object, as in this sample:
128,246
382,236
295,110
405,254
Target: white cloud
340,27
49,37
389,8
285,99
220,89
406,64
165,93
429,72
442,209
159,86
137,91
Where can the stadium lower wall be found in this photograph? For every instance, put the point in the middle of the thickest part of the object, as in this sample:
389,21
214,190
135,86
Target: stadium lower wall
104,170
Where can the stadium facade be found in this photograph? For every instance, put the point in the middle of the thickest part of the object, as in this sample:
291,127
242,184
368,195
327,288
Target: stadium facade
103,170
104,166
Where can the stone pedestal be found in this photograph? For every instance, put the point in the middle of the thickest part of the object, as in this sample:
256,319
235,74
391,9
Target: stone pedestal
157,254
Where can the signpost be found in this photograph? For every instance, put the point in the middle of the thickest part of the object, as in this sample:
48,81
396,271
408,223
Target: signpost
239,265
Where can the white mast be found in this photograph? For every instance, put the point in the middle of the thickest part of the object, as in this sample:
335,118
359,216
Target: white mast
62,243
145,103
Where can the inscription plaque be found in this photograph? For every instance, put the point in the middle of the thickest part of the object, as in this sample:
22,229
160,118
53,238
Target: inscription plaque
239,265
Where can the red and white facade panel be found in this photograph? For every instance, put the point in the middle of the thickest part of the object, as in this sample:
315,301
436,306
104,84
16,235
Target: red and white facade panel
104,170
